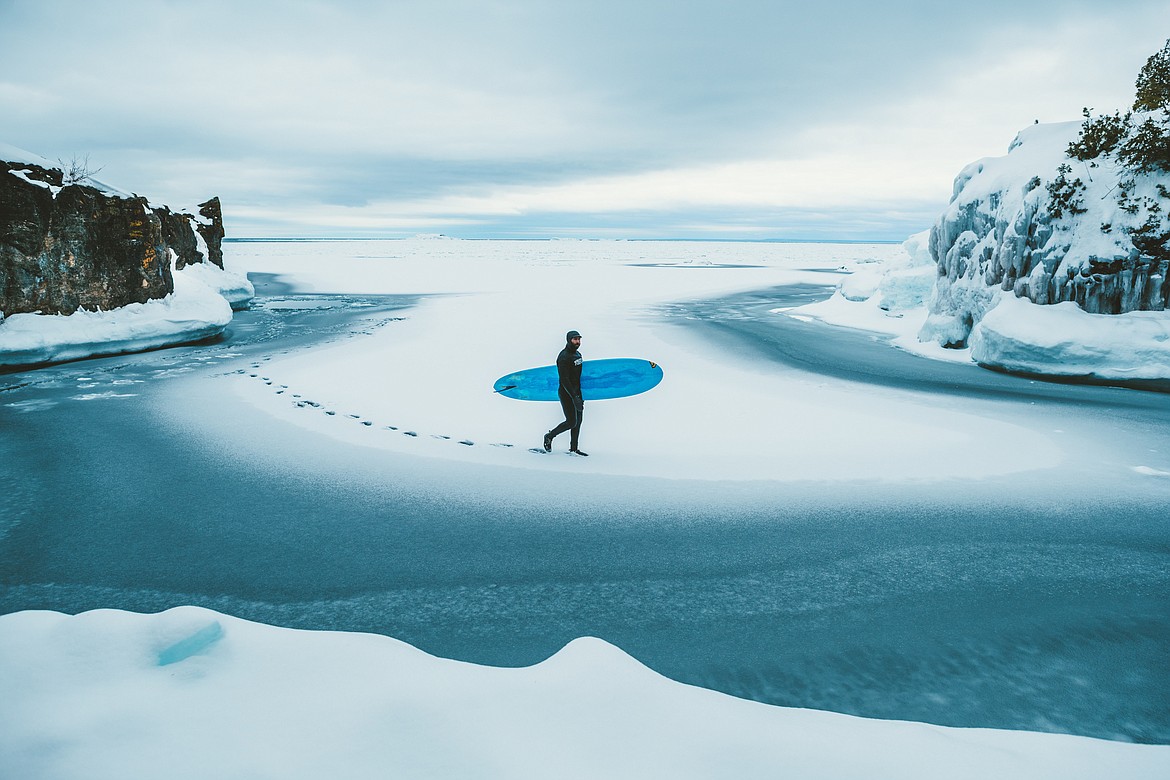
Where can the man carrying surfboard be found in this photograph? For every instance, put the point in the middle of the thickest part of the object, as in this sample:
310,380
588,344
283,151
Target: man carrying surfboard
569,392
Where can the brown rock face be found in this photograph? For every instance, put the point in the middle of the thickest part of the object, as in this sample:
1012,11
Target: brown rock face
211,228
177,234
70,247
65,247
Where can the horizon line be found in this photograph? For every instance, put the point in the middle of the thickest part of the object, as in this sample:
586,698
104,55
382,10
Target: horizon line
441,237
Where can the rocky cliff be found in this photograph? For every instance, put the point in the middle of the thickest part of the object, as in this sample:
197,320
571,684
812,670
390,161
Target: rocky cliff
1039,225
68,242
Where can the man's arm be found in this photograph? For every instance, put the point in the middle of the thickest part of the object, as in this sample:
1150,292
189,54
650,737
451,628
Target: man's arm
569,370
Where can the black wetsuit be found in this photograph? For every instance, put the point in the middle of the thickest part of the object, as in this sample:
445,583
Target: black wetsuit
569,392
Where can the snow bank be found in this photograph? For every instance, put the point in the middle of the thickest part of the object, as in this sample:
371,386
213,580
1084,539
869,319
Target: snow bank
192,312
191,693
1064,340
899,283
233,287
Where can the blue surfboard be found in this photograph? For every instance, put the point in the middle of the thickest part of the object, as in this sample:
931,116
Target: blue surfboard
600,379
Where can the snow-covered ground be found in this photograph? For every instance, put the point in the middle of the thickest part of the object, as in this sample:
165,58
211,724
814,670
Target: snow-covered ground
194,693
191,693
497,307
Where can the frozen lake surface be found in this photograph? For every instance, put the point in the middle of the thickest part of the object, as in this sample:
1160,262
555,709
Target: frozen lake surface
1025,599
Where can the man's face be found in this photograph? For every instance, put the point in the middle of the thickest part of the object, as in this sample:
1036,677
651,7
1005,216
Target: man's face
575,341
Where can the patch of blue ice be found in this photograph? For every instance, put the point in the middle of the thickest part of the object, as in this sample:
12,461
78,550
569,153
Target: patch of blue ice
197,643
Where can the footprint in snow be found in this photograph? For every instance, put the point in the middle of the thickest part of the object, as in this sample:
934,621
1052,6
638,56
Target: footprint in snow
302,403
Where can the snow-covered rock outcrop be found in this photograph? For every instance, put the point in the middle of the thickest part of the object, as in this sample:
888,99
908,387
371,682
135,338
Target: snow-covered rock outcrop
1038,225
86,269
69,242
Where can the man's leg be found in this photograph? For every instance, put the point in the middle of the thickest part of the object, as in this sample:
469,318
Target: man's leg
571,420
576,434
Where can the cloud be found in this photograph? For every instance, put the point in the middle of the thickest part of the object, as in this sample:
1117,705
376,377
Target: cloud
515,110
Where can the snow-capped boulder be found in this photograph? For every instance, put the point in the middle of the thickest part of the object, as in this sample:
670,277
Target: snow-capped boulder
68,245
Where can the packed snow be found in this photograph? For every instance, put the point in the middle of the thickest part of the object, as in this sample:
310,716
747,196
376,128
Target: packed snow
191,693
10,153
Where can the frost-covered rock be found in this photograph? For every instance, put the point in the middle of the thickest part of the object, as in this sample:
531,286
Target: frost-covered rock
1040,226
862,284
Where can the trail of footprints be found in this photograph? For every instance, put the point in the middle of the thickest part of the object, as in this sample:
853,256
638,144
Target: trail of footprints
256,372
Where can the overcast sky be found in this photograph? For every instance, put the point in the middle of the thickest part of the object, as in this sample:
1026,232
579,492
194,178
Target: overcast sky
531,118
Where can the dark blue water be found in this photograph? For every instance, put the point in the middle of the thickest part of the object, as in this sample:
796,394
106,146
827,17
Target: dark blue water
1014,603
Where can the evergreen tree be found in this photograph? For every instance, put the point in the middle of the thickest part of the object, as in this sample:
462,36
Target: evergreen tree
1141,147
1153,83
